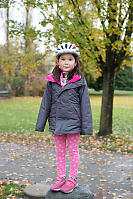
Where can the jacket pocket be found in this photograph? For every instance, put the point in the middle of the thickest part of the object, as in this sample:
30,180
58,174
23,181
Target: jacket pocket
77,111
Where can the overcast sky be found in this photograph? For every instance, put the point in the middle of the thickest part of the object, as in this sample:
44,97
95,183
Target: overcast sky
18,13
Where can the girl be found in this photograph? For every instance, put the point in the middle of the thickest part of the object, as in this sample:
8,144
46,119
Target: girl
66,105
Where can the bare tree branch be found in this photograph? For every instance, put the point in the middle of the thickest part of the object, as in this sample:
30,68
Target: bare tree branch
97,3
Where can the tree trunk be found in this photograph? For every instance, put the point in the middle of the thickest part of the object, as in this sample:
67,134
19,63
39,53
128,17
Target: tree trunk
27,40
7,28
107,102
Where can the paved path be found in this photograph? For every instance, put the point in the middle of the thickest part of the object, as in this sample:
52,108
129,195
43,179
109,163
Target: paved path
108,175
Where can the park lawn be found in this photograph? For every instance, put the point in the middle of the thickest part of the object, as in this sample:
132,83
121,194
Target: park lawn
18,118
116,92
122,114
18,115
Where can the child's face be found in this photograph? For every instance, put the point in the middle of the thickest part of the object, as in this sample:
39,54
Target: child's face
66,62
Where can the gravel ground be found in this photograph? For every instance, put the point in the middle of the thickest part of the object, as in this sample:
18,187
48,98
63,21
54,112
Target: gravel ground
107,175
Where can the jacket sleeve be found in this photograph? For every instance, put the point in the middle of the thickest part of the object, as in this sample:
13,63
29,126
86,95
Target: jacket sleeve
86,114
44,109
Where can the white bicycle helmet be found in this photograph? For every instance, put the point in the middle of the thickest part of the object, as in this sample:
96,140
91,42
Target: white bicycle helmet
67,48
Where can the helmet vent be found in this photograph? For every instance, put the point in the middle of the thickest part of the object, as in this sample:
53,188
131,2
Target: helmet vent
67,48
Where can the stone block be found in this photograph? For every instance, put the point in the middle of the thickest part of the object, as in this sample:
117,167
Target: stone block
41,191
79,192
36,191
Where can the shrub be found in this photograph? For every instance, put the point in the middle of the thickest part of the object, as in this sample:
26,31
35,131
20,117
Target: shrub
35,84
18,84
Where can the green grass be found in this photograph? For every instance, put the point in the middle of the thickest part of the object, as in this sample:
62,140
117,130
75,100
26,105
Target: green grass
11,189
116,92
122,114
18,115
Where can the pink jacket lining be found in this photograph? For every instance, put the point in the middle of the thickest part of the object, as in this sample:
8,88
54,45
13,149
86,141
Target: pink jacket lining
74,79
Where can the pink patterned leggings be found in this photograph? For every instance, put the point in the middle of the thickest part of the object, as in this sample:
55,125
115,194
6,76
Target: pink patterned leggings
60,142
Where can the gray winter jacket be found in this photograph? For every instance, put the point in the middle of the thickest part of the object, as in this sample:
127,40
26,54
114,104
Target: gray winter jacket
67,108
